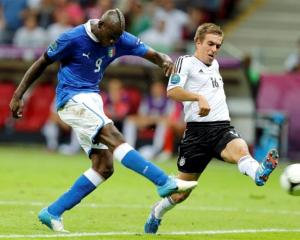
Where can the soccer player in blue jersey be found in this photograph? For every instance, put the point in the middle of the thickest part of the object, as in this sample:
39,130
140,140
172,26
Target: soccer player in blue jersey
84,52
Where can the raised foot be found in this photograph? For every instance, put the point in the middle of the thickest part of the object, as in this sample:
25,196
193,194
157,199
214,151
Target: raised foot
266,167
175,185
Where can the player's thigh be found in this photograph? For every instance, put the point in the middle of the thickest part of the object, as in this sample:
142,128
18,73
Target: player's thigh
235,150
194,151
84,113
110,136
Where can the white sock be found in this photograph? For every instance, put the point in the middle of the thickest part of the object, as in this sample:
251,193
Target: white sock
121,151
248,166
94,177
163,206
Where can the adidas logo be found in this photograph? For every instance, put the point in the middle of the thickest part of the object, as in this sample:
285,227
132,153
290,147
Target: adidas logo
201,71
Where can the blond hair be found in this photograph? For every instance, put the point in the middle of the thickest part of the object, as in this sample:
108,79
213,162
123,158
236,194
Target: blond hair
207,28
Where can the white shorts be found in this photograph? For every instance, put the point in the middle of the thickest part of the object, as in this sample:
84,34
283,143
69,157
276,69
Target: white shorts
84,113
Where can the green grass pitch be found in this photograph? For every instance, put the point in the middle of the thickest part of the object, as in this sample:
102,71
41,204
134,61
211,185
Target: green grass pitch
225,205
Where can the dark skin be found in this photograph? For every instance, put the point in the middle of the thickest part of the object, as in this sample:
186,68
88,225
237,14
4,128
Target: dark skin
108,30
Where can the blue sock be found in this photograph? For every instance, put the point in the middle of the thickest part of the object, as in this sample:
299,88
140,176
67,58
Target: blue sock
137,163
82,187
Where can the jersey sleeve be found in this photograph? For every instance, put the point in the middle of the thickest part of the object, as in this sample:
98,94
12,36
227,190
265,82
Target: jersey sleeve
131,45
179,77
60,48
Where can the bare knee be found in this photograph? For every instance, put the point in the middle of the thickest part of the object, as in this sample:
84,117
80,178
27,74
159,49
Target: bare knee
102,163
234,150
243,148
104,171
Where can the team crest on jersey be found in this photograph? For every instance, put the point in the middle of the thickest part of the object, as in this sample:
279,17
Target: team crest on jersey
111,51
175,79
53,46
181,161
138,41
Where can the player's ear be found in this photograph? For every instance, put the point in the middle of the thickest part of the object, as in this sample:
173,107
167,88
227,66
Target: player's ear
100,24
198,41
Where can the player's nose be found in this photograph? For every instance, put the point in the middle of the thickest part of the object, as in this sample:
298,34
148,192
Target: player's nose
214,48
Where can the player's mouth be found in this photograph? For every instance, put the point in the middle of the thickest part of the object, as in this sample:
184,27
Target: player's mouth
211,56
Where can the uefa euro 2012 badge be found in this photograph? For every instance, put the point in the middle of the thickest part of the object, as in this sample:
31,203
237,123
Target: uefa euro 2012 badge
111,51
175,78
53,46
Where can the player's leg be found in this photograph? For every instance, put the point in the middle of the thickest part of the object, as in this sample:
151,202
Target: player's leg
194,156
160,208
236,151
85,125
96,130
102,169
130,158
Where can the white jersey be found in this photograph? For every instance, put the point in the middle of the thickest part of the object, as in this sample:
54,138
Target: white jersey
194,76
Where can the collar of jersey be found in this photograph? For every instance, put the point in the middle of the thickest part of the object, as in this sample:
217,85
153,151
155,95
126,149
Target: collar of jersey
88,29
205,67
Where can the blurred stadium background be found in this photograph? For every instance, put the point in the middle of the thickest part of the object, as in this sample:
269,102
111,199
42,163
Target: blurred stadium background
260,65
259,59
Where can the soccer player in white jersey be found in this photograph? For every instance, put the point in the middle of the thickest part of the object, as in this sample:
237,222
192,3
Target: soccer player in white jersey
197,83
84,52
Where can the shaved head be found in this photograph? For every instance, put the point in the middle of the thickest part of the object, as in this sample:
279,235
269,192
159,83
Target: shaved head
115,19
110,27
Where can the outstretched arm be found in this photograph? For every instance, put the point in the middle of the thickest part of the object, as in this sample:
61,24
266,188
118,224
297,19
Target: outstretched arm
160,59
36,69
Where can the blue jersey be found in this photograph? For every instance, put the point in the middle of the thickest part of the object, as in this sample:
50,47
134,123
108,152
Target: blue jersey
83,60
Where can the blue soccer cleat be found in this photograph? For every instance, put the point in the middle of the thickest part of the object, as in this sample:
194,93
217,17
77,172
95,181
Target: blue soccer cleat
175,185
152,223
52,222
266,167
